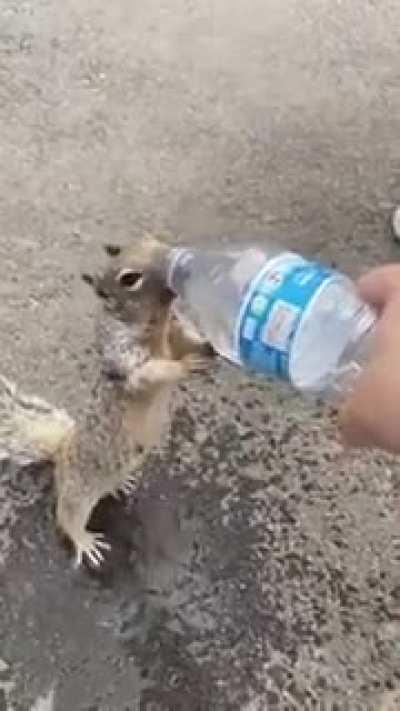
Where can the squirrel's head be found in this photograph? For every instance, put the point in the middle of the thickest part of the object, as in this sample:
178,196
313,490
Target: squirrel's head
131,295
147,252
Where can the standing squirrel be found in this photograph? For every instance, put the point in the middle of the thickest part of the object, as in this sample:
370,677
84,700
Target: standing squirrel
143,348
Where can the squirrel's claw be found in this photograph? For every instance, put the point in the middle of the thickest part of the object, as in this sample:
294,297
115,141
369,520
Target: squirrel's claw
92,546
195,364
129,486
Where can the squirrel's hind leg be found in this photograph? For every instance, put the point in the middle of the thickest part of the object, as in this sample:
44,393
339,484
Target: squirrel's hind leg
72,516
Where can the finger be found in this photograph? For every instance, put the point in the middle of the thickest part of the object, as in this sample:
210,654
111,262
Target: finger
387,331
379,285
371,417
354,421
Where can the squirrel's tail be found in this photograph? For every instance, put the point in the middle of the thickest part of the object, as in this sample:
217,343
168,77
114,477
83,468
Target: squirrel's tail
31,430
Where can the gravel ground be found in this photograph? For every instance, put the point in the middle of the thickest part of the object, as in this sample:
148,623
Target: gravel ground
259,566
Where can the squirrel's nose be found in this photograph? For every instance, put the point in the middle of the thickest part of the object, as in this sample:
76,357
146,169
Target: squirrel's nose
167,295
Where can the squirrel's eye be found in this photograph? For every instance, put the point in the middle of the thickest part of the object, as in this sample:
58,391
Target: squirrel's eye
130,280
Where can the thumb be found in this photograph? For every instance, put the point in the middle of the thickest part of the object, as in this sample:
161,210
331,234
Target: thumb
380,285
356,422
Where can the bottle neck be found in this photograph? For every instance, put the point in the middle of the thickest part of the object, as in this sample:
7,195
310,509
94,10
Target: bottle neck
178,268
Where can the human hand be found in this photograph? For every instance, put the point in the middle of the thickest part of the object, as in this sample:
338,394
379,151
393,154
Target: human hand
371,415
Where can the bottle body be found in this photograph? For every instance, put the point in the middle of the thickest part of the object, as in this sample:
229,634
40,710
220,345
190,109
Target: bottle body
278,314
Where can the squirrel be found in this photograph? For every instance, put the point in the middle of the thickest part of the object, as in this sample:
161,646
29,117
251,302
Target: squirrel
142,349
183,336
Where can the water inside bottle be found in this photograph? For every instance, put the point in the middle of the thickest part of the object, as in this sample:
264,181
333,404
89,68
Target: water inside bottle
213,282
333,325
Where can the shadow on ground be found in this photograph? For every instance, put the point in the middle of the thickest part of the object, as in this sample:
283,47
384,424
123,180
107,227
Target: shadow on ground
256,569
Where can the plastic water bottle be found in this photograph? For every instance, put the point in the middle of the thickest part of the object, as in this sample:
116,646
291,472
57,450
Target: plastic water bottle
277,313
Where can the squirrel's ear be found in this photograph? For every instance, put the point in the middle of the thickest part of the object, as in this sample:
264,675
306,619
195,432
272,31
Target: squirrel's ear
113,250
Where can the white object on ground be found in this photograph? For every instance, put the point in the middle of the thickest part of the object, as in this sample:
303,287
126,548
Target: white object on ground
396,223
44,703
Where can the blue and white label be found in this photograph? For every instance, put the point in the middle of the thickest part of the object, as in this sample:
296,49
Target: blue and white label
273,309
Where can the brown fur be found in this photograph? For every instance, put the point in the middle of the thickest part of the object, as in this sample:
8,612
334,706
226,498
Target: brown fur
130,407
142,350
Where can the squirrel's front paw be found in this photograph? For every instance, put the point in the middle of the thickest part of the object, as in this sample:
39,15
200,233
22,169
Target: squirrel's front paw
207,350
196,364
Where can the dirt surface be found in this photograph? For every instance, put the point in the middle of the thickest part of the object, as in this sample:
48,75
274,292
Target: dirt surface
258,567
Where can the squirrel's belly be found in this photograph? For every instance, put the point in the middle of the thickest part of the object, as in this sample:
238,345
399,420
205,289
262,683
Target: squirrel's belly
147,422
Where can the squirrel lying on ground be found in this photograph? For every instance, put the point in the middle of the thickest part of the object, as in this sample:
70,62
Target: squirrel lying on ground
143,348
